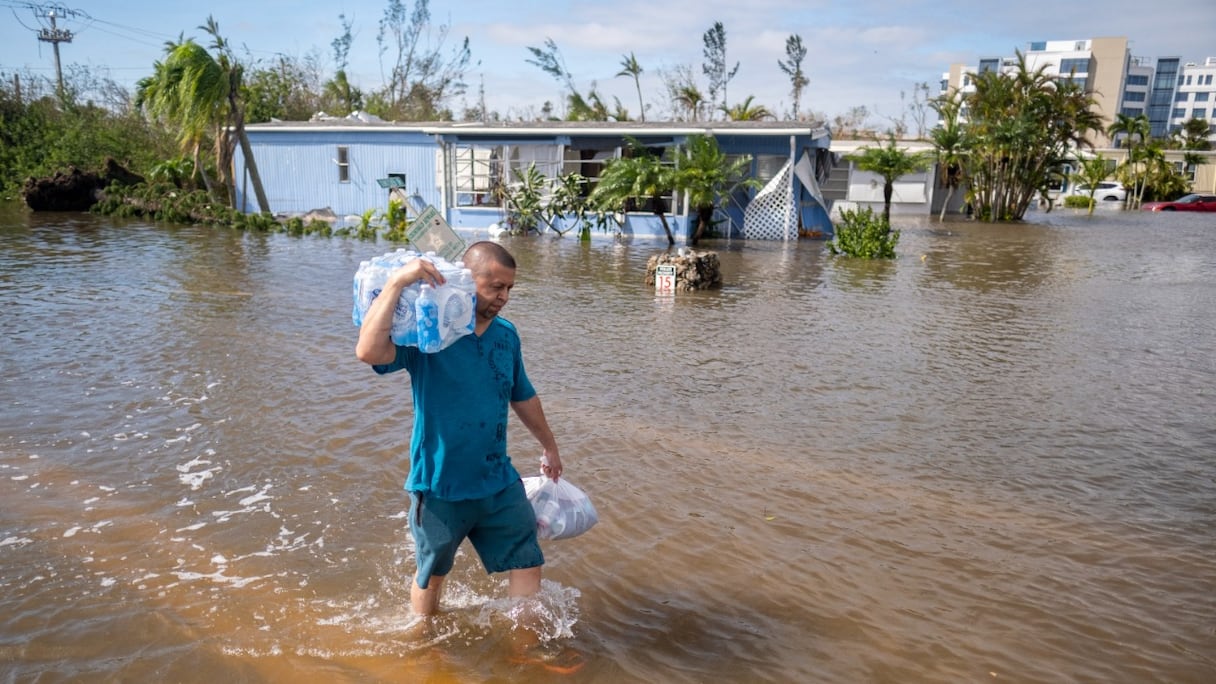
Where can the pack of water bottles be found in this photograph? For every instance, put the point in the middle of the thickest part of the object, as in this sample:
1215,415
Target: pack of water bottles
430,318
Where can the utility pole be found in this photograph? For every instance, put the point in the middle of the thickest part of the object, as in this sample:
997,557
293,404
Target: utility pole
55,35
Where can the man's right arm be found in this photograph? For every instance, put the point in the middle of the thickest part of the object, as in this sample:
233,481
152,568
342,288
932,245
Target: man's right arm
375,346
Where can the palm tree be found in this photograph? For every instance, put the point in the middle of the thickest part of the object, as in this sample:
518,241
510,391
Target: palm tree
949,141
639,176
159,97
232,71
1020,125
341,93
1136,130
198,93
630,67
744,111
691,99
1092,172
1192,160
1152,169
891,162
1194,134
1192,138
589,108
708,176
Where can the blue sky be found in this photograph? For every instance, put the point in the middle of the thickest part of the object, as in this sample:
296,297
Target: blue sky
860,53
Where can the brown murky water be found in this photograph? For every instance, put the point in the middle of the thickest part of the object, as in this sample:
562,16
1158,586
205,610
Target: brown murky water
993,459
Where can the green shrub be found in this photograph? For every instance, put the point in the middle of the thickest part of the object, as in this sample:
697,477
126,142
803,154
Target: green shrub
862,233
1077,201
525,200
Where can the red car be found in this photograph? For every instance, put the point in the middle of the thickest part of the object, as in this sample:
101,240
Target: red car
1184,203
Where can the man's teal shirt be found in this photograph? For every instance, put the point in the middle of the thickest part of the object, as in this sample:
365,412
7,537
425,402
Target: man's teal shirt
462,397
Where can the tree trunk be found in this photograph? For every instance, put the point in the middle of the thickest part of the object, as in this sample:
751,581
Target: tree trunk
641,104
946,203
666,228
888,189
237,117
202,171
224,147
704,217
251,167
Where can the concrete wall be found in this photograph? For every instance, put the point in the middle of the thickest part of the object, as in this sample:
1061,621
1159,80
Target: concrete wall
1110,59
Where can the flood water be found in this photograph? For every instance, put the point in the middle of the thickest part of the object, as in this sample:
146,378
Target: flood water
992,459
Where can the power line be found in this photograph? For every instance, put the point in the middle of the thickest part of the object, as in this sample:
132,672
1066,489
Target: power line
53,34
48,15
56,23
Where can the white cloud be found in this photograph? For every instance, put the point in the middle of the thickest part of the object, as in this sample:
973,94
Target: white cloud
862,52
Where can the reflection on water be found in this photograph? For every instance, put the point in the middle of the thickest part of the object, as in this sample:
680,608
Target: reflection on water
988,458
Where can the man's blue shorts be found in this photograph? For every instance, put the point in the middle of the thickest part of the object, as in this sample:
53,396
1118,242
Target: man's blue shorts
502,528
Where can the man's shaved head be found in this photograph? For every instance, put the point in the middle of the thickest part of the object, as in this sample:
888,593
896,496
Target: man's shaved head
481,254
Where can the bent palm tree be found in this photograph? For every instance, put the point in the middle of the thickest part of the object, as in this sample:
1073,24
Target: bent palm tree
196,92
232,72
341,93
159,97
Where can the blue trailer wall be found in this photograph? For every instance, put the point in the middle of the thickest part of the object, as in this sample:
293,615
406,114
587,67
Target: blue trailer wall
300,169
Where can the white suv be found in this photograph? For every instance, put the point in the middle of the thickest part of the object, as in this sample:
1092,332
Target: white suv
1110,191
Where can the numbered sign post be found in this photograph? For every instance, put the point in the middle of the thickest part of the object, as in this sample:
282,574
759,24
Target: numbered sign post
665,279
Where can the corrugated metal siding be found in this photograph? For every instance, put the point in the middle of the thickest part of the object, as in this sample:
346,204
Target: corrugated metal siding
300,170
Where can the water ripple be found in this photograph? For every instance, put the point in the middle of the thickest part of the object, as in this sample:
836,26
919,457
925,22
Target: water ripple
989,458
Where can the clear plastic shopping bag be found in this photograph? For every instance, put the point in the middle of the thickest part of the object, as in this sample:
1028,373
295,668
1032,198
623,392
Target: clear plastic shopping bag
562,510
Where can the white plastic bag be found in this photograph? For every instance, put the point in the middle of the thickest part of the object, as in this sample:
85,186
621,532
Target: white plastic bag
562,510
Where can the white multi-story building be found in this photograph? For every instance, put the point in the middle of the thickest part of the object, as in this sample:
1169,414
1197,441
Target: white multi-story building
1195,95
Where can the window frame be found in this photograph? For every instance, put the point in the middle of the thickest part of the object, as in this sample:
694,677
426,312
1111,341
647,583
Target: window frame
343,162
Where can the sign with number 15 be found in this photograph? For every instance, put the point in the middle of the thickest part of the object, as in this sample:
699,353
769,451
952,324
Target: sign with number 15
665,279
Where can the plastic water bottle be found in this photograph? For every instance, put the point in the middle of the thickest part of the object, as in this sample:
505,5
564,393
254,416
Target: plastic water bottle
356,311
455,313
549,518
369,280
465,282
405,319
426,310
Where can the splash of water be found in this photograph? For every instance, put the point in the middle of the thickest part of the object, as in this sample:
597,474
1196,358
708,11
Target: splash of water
550,614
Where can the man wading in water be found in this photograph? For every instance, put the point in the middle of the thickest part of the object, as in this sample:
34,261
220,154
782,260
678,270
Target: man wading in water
461,482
